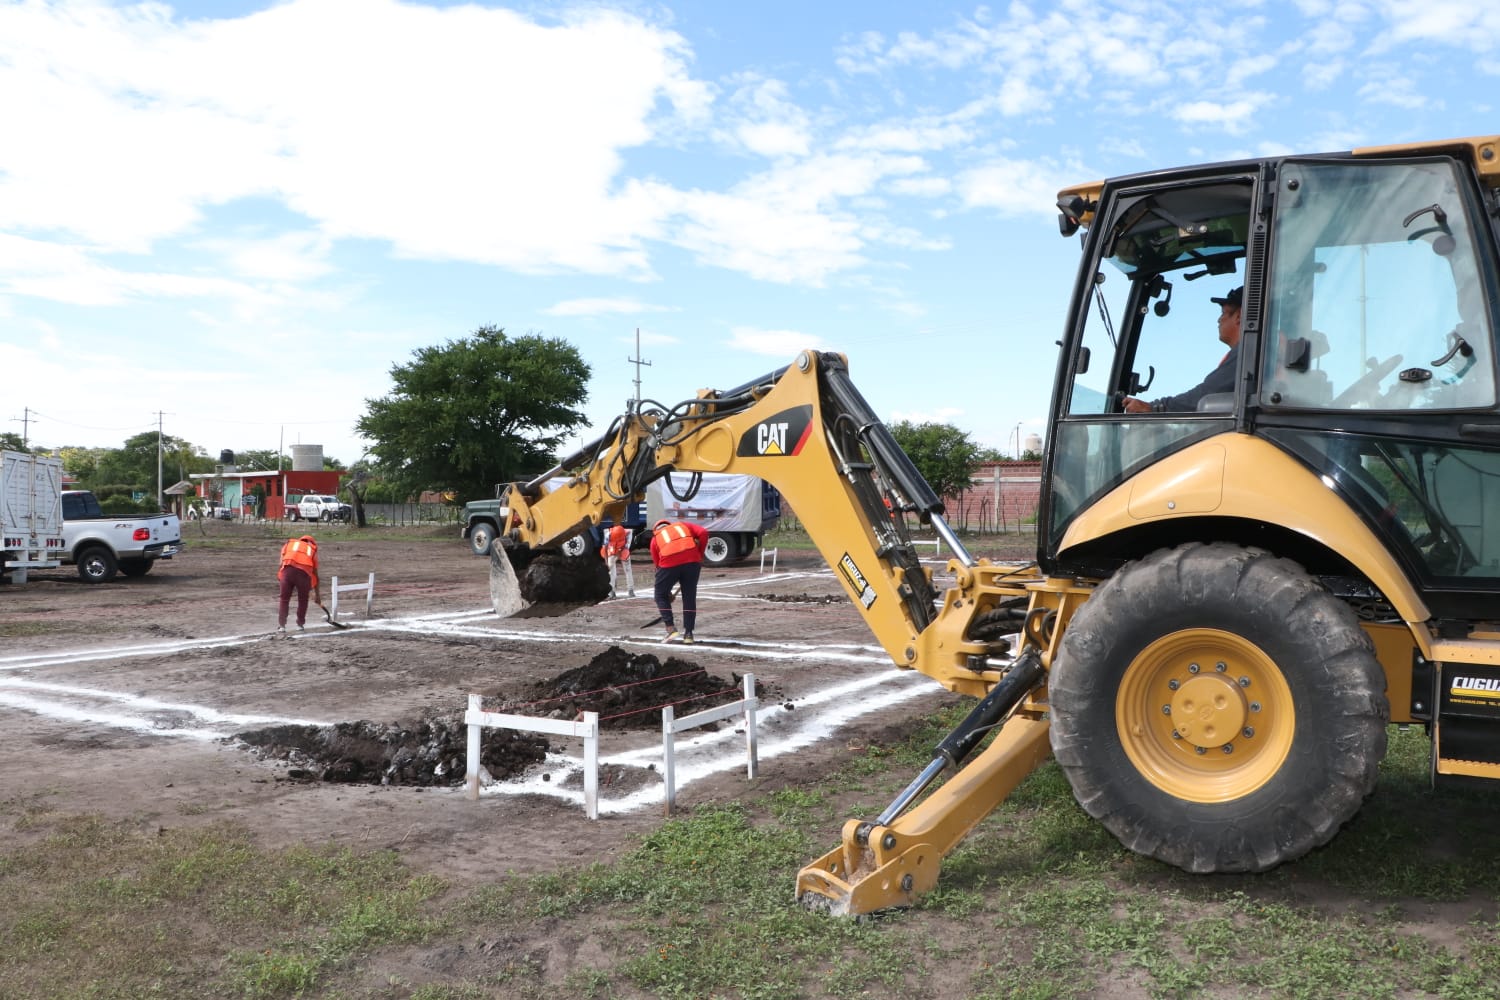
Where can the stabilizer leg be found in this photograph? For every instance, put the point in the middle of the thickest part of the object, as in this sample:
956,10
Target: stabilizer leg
892,861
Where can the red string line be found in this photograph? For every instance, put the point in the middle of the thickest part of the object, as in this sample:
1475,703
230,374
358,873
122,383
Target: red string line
612,687
674,704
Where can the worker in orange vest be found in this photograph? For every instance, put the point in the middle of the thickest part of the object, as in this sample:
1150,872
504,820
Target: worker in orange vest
616,551
298,572
677,550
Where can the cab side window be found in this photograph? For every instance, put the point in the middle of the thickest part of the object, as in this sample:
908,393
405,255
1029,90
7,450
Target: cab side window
1377,300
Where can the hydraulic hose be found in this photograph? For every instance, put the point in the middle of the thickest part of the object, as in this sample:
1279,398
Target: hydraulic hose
1023,675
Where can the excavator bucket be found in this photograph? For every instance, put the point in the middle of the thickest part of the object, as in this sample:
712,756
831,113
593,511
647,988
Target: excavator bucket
544,583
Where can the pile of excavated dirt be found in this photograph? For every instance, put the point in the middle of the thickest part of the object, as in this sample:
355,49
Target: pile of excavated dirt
628,690
431,752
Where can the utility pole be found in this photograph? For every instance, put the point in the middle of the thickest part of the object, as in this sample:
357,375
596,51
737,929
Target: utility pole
638,361
160,497
25,421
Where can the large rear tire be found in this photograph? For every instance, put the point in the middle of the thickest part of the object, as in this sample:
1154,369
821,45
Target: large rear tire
1217,709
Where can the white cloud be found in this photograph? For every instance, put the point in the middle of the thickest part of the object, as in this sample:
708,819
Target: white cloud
1471,24
774,343
1234,117
921,187
602,307
293,256
769,124
1397,91
785,225
1015,187
136,123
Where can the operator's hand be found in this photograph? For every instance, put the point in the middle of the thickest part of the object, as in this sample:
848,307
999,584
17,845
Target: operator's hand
1132,405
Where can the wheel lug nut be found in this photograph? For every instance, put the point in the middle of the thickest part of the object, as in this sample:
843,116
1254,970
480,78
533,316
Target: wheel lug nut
1173,685
1244,682
1229,748
1166,710
1220,667
1255,706
1248,731
1193,668
1176,735
1202,751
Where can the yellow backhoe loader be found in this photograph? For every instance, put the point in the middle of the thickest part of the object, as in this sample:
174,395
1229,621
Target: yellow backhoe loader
1236,588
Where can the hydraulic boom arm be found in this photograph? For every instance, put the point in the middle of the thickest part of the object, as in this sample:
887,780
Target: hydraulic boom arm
807,430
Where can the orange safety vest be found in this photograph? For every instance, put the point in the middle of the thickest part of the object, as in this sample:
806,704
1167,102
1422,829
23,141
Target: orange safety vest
615,543
674,539
302,553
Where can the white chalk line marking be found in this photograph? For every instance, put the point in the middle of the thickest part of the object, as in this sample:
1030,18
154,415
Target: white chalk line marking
714,752
699,756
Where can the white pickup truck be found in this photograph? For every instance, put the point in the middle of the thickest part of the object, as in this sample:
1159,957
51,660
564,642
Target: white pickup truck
101,544
319,507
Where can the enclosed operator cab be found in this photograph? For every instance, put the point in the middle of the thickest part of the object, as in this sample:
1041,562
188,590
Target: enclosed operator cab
1358,435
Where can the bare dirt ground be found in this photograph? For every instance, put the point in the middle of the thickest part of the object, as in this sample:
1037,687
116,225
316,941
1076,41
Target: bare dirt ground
166,701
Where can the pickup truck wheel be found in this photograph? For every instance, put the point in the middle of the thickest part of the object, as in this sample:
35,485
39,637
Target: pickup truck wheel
1217,709
294,514
481,536
326,516
136,567
719,550
96,564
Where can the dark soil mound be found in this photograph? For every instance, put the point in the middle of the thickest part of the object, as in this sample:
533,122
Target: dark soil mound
431,752
553,578
628,691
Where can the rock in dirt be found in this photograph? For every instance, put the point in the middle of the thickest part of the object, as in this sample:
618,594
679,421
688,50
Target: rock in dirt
430,752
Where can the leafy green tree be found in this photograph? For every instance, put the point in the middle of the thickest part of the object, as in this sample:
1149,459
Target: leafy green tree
476,411
941,452
11,441
134,464
261,460
82,463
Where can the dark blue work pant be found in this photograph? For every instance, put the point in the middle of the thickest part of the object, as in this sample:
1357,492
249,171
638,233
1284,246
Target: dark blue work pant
685,577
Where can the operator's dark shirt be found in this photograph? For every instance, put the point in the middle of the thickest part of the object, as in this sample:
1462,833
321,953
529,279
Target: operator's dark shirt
1221,379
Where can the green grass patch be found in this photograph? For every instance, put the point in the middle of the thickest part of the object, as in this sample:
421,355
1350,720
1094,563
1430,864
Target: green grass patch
1038,902
98,909
16,630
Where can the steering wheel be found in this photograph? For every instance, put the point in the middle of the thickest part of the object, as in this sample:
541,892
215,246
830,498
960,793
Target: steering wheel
1366,382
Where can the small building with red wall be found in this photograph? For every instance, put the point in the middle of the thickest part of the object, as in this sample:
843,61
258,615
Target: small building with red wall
233,490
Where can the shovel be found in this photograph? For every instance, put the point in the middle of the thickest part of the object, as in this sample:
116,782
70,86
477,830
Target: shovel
318,598
670,598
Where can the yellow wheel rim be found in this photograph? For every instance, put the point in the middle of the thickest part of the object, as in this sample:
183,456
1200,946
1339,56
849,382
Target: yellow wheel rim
1205,715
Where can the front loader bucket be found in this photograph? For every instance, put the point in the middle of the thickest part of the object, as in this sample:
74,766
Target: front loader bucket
544,583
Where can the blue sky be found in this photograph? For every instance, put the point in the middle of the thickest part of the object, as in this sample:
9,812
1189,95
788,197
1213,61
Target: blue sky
235,218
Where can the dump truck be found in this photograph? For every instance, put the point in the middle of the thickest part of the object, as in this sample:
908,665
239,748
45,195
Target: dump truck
1231,600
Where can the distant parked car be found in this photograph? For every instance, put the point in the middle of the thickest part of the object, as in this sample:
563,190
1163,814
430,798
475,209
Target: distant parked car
320,507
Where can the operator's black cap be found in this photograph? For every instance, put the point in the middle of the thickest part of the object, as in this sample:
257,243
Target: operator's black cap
1235,296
